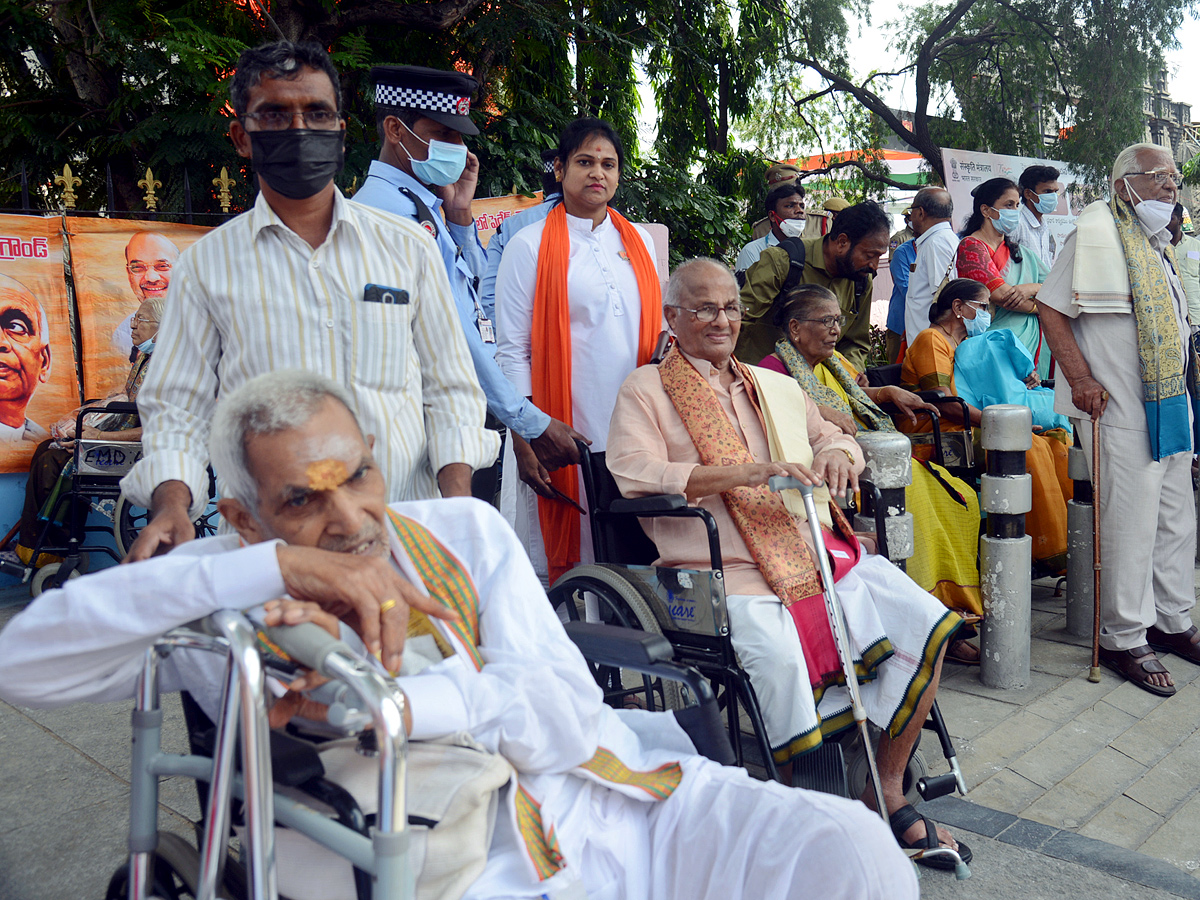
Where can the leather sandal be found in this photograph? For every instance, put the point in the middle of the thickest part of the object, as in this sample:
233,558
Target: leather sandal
904,818
1180,644
1137,665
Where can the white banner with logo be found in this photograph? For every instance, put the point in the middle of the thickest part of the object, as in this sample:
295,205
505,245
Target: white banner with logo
966,169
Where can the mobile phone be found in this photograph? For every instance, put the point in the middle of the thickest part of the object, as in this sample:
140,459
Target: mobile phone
378,293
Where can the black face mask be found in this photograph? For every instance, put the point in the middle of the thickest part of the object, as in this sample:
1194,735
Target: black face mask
297,162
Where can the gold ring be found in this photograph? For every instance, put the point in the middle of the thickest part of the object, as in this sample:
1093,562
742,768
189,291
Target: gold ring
388,604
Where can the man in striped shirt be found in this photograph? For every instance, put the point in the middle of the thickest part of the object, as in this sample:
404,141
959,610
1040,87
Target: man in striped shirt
307,279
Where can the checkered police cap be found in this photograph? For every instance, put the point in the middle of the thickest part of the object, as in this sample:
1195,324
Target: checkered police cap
443,96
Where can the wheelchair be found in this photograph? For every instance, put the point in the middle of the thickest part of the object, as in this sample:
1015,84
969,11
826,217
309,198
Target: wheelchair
94,480
281,777
688,608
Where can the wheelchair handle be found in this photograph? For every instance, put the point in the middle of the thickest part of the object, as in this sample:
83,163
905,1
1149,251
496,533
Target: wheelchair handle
779,483
309,644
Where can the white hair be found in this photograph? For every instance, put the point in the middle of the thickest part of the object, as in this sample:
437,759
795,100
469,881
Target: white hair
681,277
267,404
1127,161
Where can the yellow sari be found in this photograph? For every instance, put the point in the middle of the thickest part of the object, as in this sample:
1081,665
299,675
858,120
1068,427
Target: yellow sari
945,515
928,365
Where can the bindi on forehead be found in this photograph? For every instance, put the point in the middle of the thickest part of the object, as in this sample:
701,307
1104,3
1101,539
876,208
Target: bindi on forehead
326,474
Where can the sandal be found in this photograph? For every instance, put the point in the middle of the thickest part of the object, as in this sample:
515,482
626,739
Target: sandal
904,818
1137,665
1180,644
963,652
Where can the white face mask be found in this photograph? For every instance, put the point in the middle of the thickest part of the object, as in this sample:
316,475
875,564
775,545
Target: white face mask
791,227
1154,215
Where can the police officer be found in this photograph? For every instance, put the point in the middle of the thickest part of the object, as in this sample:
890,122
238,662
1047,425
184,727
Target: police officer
425,172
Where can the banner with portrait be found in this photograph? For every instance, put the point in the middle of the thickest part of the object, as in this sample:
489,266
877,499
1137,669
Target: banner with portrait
967,169
117,266
37,361
489,212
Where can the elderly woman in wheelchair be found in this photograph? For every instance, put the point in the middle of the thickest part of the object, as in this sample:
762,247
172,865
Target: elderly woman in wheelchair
599,802
52,463
945,508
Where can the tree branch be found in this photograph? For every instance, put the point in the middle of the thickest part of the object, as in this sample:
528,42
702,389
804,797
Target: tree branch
440,15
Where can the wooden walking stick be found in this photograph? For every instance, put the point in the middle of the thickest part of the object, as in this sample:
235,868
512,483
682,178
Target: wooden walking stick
1094,674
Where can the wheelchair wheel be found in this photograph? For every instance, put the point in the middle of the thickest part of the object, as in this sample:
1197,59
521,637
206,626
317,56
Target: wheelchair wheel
857,773
176,871
621,602
46,578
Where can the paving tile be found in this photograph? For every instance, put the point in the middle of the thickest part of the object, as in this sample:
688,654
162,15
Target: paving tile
984,756
1176,840
1171,781
954,812
1070,698
1130,698
1056,631
1006,791
1124,823
1086,791
1163,728
1056,658
1040,619
1039,683
1126,864
968,715
1077,741
1027,834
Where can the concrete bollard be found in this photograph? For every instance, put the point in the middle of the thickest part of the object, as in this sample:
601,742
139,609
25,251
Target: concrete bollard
889,468
1080,578
1006,551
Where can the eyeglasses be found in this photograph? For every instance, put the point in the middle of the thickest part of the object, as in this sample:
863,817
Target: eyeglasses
708,312
978,305
281,119
162,268
142,320
828,321
1160,176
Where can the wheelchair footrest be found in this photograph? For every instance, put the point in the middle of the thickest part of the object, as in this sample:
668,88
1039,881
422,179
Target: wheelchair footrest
823,769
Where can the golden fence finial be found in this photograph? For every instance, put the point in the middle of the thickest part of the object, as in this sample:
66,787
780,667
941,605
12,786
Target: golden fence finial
150,183
353,186
223,184
69,182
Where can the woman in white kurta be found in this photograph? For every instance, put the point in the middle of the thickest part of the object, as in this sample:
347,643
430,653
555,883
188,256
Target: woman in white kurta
605,313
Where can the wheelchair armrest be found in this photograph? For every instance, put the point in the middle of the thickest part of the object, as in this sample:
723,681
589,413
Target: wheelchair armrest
612,645
642,506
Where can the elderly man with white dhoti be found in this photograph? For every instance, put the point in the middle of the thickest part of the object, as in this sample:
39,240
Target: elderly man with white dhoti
1115,314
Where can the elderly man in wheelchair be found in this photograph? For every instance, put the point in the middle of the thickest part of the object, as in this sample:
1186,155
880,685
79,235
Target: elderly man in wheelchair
706,426
602,803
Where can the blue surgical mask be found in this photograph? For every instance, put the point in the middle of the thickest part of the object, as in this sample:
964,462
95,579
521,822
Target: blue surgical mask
147,346
982,321
444,164
1047,203
1009,221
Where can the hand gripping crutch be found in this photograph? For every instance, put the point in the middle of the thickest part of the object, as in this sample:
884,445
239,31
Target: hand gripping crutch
837,623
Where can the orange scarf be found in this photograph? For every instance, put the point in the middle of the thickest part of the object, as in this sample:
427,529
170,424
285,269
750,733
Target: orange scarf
551,362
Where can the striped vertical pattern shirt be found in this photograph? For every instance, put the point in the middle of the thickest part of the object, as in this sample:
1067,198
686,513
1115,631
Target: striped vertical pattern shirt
253,297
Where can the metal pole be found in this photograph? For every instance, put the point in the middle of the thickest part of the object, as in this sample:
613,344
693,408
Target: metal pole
1080,510
889,468
187,198
1006,550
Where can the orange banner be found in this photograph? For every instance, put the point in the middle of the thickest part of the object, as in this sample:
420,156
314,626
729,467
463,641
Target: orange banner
117,264
489,212
37,362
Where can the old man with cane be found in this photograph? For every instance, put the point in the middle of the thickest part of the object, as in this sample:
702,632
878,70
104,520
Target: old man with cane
1115,314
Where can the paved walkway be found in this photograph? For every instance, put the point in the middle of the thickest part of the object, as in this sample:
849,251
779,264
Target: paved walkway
1076,789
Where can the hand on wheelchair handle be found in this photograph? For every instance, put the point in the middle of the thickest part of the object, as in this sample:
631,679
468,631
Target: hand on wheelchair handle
169,527
555,447
530,468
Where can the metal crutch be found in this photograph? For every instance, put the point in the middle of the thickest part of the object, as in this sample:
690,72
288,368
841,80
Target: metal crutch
841,638
837,622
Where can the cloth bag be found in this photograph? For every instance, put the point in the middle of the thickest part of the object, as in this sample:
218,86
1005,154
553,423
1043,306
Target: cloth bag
454,787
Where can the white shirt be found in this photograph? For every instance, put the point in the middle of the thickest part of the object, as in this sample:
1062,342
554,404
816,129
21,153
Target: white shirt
935,249
753,250
252,297
606,313
1108,341
1035,235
